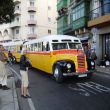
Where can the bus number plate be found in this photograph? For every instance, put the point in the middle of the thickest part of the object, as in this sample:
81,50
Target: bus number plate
82,75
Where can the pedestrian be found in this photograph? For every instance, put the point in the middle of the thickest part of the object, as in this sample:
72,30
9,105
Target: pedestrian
93,55
24,75
106,60
3,73
87,52
10,57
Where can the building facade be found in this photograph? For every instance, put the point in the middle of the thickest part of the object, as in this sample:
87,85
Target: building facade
87,19
99,23
73,18
33,19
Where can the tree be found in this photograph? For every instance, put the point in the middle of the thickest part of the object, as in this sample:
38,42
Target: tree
6,11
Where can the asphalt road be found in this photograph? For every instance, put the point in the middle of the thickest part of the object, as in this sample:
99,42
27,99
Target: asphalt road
72,94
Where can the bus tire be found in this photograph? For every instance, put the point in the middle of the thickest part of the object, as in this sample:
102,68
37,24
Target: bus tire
57,74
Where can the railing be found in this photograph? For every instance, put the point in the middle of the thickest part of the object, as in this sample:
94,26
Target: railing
100,11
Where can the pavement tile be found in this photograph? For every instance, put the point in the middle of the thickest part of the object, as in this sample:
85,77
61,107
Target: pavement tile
8,98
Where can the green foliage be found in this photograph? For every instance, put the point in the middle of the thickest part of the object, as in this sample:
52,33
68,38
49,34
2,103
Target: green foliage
6,11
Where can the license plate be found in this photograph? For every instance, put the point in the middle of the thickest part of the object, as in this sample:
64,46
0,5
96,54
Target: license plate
82,75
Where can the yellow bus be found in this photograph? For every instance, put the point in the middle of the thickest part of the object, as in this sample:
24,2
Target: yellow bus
59,55
14,47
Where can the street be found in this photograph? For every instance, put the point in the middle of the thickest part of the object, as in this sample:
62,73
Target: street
72,94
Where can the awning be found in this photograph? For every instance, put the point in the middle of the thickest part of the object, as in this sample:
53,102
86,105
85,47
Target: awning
84,38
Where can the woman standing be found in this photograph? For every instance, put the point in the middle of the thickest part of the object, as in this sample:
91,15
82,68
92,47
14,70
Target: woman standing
24,75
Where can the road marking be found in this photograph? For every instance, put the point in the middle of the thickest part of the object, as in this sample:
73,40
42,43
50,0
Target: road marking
31,104
88,88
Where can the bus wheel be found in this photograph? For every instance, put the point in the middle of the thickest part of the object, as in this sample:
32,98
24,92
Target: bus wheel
57,73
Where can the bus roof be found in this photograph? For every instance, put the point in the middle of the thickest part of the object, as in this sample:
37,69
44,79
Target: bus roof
50,38
12,43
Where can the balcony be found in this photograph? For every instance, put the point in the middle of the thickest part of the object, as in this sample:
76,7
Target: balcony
17,12
31,9
62,22
15,24
32,36
17,1
62,4
31,22
100,16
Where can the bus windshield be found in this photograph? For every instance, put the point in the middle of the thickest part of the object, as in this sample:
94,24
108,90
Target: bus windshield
59,46
69,45
75,45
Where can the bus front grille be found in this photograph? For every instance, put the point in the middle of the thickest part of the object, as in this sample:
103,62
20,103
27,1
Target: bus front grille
81,61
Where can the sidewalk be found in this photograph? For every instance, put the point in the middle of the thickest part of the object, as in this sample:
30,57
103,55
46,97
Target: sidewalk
8,98
103,69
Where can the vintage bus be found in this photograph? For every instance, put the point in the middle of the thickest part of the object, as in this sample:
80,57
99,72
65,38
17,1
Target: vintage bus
15,47
59,55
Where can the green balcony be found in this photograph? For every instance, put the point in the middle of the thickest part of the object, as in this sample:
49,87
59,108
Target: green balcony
68,28
62,22
81,22
61,4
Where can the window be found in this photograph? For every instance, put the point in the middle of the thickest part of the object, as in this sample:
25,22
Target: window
49,8
59,46
75,46
31,17
17,7
49,31
31,3
45,46
39,46
78,12
17,19
35,47
32,30
17,31
49,19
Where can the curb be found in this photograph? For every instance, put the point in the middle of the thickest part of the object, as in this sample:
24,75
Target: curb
15,98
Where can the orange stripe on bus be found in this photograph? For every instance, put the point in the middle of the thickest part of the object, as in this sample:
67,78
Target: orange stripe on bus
67,52
42,53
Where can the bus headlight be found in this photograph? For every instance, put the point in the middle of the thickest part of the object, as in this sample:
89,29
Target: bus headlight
68,65
92,63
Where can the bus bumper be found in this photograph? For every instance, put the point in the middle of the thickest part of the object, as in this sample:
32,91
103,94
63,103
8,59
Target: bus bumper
84,74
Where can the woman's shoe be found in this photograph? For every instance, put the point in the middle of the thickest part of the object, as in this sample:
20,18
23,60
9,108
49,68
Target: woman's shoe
28,96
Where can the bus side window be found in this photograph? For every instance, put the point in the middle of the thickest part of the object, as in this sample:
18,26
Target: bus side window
21,48
35,47
47,47
39,46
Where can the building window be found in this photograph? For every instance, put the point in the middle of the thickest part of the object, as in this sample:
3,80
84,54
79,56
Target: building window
32,30
17,31
49,8
17,19
49,19
31,17
31,3
78,12
17,7
49,31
